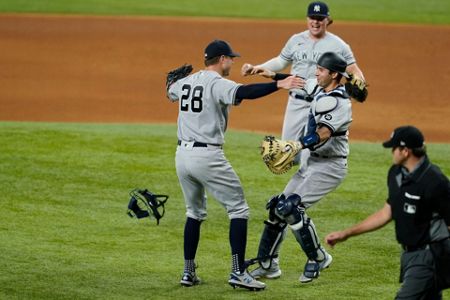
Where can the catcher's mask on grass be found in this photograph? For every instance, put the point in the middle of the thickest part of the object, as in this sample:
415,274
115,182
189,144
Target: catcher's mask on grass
144,203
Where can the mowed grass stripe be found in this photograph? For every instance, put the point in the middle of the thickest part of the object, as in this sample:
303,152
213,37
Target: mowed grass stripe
64,232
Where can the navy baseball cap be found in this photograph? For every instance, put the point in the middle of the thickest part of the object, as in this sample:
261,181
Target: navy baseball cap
405,136
218,48
318,8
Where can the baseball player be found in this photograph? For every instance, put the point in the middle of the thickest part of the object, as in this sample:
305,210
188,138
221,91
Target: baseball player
301,52
326,138
205,99
419,203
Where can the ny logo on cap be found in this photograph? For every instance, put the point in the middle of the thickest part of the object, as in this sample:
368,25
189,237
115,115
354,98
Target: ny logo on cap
317,8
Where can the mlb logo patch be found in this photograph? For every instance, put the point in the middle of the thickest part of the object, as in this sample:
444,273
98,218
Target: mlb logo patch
409,209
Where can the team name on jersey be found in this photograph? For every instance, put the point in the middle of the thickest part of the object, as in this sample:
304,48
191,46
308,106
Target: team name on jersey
305,55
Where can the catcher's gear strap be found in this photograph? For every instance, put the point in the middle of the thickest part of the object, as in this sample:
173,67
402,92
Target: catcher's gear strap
144,203
310,140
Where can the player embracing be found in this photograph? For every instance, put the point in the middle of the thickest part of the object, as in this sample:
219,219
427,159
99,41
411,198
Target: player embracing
301,52
205,99
326,140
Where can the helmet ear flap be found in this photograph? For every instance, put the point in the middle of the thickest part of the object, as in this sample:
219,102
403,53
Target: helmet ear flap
144,203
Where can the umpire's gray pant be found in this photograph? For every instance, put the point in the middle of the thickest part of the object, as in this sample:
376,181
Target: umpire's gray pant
418,276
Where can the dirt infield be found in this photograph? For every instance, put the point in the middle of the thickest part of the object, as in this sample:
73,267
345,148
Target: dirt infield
112,69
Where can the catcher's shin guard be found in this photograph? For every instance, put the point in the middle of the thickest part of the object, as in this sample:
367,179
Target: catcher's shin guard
270,243
305,234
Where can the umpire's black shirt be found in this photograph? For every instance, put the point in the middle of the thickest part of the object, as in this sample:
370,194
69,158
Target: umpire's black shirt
415,199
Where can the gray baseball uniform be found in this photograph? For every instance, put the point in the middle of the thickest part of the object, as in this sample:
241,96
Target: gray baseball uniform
303,52
320,173
326,165
205,99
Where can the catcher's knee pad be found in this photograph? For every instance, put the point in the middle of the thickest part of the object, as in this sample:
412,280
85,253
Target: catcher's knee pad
271,207
306,236
269,245
289,209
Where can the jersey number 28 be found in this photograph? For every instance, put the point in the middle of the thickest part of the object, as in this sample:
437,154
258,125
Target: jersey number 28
192,101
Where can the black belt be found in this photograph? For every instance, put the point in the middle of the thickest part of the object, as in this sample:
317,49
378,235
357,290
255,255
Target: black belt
414,248
313,154
198,144
301,97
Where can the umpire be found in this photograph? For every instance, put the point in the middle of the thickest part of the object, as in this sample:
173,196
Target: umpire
419,203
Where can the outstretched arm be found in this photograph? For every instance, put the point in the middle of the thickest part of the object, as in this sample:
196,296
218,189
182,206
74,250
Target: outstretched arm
257,90
275,64
371,223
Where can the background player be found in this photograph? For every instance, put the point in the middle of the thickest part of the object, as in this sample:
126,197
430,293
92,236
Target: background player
326,139
205,99
419,203
301,52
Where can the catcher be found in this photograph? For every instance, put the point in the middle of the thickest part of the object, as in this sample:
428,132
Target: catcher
326,141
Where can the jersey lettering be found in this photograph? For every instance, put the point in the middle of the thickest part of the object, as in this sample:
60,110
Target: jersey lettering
193,100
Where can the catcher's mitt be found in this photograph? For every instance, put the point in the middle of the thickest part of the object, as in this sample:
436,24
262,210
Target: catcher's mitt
279,155
356,88
144,203
177,74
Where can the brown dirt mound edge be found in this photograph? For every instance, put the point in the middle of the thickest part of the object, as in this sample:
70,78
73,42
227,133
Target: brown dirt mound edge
112,69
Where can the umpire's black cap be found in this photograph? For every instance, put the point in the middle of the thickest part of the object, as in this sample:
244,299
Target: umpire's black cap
318,8
218,48
405,136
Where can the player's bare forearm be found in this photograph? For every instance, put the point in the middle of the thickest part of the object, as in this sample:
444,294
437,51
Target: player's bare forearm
371,223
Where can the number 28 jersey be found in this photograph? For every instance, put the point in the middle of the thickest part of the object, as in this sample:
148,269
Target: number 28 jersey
205,99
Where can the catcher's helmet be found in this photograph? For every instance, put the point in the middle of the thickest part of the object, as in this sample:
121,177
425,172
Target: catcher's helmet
333,62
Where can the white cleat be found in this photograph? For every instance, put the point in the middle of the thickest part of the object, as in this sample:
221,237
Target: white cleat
246,281
272,273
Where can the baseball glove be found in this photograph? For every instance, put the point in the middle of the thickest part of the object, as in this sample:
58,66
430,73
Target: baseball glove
177,74
356,88
144,203
279,155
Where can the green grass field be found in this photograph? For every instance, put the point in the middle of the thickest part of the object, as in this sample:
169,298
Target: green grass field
403,11
64,190
65,235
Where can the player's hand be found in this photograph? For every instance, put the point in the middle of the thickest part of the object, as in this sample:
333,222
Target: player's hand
291,82
246,69
335,237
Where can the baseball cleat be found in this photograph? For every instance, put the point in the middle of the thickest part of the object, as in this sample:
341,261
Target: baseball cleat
189,279
246,281
313,268
273,272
